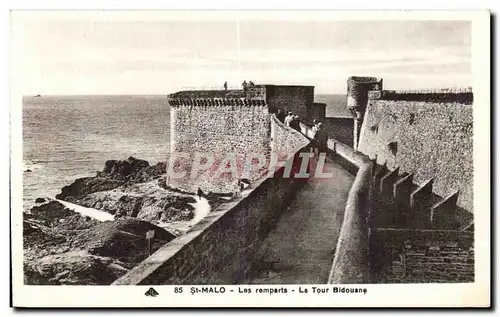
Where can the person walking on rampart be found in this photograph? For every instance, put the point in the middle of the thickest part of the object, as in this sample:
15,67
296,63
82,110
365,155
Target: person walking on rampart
314,127
288,118
281,116
321,139
295,123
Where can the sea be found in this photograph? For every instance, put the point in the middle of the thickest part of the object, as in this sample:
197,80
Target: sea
68,137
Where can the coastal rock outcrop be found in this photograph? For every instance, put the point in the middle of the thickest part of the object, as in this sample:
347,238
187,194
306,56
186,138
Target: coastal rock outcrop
145,201
72,268
63,247
116,173
87,185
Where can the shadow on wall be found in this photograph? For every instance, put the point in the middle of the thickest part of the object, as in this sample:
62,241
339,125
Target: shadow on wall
429,140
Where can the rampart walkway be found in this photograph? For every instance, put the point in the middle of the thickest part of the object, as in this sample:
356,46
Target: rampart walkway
301,248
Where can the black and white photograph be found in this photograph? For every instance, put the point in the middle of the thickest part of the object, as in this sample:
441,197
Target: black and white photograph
222,154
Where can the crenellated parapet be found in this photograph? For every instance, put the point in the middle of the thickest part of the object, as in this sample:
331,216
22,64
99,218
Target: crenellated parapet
455,95
401,203
215,102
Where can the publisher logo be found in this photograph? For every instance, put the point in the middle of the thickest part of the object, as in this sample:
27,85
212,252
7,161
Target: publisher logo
151,292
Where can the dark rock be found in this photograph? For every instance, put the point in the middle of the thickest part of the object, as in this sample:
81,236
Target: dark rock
148,173
87,185
28,171
52,224
63,247
124,169
71,268
115,174
50,213
77,251
123,239
40,200
145,207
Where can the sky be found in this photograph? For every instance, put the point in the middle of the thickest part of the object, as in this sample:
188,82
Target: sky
83,54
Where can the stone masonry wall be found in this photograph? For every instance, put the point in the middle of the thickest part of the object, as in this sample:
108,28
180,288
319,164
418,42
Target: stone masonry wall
297,99
317,111
422,256
227,130
340,129
425,138
220,248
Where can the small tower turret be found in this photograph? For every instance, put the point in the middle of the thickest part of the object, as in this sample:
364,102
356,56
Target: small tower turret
357,99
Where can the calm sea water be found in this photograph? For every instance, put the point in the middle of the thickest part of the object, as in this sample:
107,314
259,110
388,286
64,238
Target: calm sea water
72,136
67,137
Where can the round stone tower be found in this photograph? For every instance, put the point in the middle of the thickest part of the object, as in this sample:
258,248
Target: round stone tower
357,99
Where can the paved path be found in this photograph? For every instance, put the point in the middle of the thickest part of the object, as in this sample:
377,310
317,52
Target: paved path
301,248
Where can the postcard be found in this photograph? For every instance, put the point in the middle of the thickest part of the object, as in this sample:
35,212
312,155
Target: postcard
250,158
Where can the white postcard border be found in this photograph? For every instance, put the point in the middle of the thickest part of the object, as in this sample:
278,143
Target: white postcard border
393,295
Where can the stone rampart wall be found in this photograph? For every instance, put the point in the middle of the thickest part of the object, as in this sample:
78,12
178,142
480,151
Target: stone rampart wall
422,256
428,139
231,131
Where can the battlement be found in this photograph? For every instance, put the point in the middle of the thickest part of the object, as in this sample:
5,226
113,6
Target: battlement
455,95
254,92
364,80
296,98
215,102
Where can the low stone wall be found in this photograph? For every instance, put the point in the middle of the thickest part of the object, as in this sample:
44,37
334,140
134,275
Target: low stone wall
351,263
422,256
285,141
219,249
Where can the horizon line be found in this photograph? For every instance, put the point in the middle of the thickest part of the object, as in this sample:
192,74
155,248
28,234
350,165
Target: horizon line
135,94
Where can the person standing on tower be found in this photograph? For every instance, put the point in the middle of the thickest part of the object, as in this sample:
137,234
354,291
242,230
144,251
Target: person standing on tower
225,85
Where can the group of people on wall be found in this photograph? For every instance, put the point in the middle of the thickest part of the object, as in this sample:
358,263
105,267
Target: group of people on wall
244,84
290,120
293,121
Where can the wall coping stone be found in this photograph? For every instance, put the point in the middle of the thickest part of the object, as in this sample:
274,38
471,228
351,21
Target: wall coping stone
351,263
457,95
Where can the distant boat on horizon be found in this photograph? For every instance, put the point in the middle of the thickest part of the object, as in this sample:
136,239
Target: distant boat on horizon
37,96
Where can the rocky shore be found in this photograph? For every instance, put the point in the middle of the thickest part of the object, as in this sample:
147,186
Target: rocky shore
62,246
